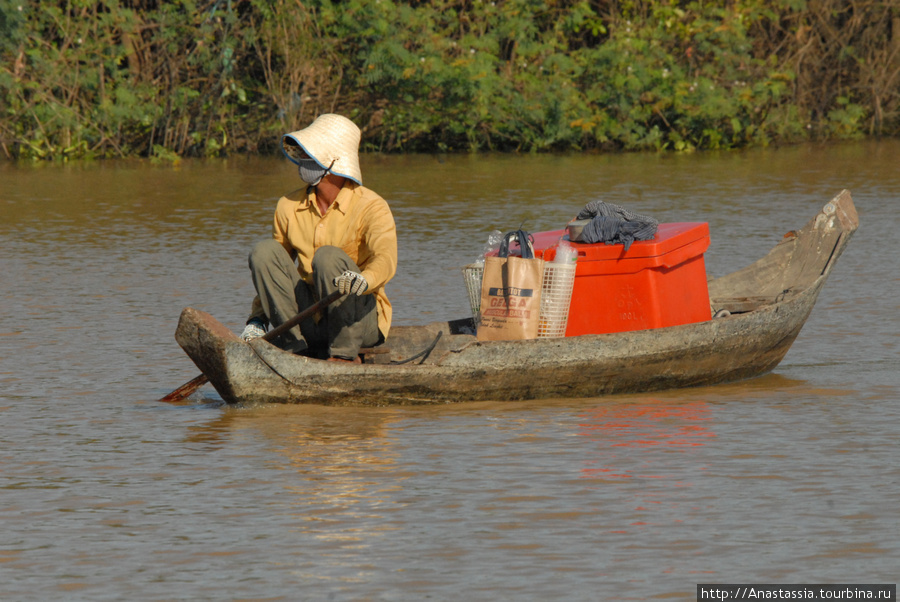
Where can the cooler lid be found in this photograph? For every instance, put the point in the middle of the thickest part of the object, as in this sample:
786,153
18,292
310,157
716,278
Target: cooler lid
668,237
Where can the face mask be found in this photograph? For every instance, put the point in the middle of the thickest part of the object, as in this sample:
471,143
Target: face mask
311,172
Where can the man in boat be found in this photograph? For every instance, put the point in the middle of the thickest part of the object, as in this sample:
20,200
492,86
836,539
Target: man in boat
342,237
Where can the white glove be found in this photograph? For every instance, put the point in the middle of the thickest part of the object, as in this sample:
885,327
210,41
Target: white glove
253,330
351,282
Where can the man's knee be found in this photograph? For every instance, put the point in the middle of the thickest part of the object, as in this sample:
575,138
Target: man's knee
266,251
330,259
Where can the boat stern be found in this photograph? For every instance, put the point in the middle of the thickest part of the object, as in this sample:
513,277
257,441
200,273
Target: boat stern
218,353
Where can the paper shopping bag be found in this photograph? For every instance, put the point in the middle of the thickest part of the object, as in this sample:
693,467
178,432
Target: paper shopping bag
510,298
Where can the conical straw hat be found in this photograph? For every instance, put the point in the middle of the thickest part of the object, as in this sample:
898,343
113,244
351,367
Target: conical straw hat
332,140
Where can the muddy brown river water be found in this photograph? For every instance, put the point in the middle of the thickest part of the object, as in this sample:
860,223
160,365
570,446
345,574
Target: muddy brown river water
106,494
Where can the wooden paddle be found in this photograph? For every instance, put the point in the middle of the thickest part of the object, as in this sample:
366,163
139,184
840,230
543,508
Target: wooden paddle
189,387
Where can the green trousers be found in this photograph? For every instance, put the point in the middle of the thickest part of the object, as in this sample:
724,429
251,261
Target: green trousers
348,324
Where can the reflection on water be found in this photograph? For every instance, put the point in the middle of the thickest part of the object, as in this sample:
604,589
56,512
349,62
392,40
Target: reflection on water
108,494
646,426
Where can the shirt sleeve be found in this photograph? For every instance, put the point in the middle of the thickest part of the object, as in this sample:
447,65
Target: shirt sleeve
280,225
379,235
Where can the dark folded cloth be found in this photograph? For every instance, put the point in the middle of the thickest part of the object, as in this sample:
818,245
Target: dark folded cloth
613,224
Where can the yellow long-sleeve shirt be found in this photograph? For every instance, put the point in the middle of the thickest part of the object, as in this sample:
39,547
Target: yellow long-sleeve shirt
359,222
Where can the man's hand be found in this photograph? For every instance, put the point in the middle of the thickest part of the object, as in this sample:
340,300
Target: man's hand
351,282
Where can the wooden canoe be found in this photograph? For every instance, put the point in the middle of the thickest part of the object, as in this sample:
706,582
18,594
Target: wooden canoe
764,306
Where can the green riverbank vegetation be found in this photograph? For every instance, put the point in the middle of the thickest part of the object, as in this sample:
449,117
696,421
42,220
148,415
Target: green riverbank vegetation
117,78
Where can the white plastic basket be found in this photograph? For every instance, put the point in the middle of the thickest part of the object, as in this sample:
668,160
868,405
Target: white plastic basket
556,296
473,274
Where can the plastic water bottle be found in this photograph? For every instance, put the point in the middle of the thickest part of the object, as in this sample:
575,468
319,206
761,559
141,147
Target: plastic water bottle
491,246
565,253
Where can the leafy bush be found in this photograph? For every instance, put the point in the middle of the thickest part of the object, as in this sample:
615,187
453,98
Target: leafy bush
206,77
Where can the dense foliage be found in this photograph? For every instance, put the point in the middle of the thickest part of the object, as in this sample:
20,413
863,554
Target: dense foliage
205,77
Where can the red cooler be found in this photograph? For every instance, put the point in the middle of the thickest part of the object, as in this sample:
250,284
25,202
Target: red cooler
656,283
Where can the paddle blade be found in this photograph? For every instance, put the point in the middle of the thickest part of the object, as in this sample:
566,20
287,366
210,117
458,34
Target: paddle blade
185,390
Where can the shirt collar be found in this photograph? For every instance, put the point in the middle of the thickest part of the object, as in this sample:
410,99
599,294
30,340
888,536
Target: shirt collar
341,203
345,196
